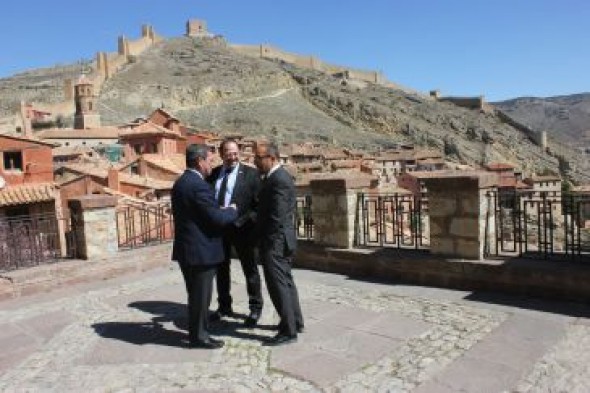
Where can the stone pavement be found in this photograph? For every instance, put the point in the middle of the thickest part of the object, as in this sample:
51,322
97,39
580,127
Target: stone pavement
127,334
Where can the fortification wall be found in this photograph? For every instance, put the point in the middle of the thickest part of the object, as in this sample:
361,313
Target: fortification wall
465,102
311,62
537,137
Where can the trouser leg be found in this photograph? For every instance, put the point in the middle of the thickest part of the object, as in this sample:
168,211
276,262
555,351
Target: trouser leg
250,268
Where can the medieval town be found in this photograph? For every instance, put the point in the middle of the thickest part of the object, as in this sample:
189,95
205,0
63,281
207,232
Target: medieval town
101,194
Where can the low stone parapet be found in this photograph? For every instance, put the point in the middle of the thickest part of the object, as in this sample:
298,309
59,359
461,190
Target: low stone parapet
566,280
64,273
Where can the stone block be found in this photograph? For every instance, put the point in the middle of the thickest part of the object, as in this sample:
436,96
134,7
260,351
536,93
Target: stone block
442,246
469,249
464,227
471,205
442,207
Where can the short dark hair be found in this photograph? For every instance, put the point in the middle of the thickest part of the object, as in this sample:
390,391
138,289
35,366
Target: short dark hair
225,142
273,150
195,152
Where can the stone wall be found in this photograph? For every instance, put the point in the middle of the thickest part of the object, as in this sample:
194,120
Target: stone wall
459,213
334,210
311,62
95,226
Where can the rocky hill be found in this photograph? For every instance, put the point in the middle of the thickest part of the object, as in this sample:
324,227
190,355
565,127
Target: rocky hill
566,118
206,84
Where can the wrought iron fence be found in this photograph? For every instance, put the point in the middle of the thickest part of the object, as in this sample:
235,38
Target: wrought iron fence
303,218
144,225
27,241
391,220
547,225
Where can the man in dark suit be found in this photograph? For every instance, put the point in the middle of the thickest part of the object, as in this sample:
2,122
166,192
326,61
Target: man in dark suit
198,247
276,231
236,183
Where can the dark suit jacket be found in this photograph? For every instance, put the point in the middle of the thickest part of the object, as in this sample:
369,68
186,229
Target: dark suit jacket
277,202
245,194
198,221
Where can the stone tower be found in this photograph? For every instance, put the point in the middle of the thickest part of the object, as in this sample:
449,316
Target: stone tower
86,115
196,28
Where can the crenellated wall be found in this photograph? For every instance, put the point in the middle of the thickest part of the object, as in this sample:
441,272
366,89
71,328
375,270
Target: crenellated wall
270,52
106,65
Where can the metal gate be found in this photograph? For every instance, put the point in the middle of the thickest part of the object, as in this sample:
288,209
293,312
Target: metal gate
542,225
27,241
391,220
144,225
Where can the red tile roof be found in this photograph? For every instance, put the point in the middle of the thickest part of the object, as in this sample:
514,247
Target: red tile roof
27,193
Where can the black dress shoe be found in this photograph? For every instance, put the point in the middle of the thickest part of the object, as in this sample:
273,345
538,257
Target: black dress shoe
210,343
219,313
252,319
280,339
300,329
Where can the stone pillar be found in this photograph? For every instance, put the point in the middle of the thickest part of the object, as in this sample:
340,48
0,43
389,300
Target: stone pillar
460,214
334,206
95,226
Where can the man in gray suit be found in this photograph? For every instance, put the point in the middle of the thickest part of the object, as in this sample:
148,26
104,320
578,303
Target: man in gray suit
277,241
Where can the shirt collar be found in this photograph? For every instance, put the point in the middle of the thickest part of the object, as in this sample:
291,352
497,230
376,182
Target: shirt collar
272,170
195,171
229,170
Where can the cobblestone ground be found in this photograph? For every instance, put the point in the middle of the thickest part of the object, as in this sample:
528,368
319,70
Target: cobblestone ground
129,336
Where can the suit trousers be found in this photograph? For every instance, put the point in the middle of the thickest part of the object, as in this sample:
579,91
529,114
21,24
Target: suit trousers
282,289
247,258
199,287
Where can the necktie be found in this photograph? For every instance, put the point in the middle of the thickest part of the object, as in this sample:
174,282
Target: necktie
222,190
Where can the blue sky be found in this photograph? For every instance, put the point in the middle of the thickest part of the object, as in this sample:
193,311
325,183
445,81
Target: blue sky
501,49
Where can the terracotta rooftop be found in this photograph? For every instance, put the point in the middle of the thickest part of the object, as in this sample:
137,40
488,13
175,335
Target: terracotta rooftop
101,172
499,166
145,182
175,163
149,128
340,164
427,153
70,150
25,139
538,178
27,193
108,132
83,80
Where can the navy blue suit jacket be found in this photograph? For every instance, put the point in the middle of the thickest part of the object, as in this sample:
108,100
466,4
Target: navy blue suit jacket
198,221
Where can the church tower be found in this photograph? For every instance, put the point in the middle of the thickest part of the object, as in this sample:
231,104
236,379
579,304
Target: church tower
86,115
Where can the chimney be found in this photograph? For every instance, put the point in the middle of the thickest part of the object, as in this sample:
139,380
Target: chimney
113,179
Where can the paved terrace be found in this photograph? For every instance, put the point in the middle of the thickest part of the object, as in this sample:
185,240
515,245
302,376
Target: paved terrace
124,330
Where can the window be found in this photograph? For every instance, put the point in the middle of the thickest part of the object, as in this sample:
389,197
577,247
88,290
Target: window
13,160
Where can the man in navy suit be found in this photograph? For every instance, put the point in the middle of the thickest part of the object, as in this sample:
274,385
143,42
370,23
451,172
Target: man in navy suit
278,241
198,247
236,183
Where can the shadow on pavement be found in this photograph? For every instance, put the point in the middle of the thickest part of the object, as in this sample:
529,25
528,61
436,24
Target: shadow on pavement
154,332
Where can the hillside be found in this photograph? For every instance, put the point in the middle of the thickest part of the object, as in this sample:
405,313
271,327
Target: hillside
566,118
208,85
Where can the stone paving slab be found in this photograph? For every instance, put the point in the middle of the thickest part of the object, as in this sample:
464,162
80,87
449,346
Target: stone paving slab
129,335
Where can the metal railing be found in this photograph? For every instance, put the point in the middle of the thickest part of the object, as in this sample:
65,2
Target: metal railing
33,240
303,218
547,225
391,220
140,225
